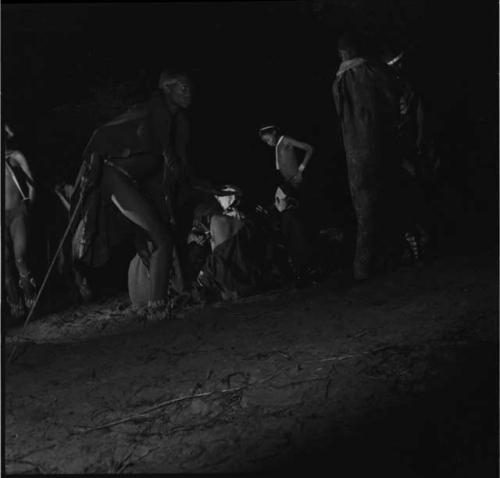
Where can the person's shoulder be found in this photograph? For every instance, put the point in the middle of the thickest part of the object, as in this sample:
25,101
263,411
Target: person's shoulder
15,155
156,99
286,140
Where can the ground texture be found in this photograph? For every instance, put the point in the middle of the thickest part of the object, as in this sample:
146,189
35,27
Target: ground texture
396,375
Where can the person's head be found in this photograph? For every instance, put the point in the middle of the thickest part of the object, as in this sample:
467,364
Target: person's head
228,196
349,46
270,134
177,87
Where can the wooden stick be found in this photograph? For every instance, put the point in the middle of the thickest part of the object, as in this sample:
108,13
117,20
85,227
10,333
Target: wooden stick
144,414
49,270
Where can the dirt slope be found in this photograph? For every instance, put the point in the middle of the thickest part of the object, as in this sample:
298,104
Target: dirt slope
397,374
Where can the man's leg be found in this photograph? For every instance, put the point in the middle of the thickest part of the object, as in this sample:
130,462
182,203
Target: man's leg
133,206
19,236
11,284
296,239
365,236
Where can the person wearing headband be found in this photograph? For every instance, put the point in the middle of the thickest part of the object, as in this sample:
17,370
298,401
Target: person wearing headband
286,154
19,195
290,220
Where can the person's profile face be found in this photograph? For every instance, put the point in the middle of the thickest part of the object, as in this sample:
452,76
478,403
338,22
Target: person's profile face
344,55
180,92
269,139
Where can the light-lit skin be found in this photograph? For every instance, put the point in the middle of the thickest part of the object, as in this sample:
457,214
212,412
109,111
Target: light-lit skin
178,93
287,157
13,197
16,247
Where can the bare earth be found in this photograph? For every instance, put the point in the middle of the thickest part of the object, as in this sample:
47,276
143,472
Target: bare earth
395,375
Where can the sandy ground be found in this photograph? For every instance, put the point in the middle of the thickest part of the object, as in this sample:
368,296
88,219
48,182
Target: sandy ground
396,375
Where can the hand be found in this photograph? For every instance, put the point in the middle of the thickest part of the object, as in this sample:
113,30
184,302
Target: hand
170,161
145,257
261,210
198,238
297,179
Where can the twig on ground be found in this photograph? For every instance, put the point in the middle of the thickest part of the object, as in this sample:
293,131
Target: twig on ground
347,356
291,384
26,462
120,466
145,413
338,358
130,463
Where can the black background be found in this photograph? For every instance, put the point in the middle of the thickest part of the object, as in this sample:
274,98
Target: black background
69,67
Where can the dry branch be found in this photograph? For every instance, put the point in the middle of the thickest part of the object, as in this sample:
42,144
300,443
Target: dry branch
145,413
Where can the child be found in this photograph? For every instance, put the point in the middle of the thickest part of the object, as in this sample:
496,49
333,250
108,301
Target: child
286,201
287,162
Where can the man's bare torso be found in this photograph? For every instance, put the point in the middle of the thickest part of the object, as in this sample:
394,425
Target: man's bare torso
288,162
13,197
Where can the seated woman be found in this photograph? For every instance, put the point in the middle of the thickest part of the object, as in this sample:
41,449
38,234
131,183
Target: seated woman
231,269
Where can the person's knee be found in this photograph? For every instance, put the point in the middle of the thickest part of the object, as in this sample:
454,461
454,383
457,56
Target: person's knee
20,260
10,279
161,236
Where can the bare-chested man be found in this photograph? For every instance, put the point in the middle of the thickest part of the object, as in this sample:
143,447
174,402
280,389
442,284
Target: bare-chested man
286,149
19,194
286,202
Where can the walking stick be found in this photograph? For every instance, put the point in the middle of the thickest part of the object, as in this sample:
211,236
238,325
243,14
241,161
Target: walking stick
83,189
16,180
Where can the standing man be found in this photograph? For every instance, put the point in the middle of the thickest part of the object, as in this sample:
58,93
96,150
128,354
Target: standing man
367,103
287,205
417,161
286,148
132,168
19,194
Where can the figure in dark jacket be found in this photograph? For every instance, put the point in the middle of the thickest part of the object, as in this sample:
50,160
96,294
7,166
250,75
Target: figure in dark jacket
131,168
367,101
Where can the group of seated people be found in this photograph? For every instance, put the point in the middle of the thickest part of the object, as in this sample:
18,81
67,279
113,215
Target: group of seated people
197,241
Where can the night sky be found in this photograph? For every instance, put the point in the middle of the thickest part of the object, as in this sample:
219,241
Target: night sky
252,63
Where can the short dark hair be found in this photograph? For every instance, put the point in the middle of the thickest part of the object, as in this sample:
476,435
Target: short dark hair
171,74
351,42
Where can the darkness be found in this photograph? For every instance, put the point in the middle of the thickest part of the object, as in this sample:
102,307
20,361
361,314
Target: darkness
67,68
252,63
71,67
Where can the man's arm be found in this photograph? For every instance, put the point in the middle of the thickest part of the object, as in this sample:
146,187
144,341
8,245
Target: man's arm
161,125
19,158
182,138
309,150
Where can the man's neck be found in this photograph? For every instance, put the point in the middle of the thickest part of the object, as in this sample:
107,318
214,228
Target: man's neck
172,107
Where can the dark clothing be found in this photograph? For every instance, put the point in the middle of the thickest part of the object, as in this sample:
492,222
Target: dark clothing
231,268
296,239
367,101
137,142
